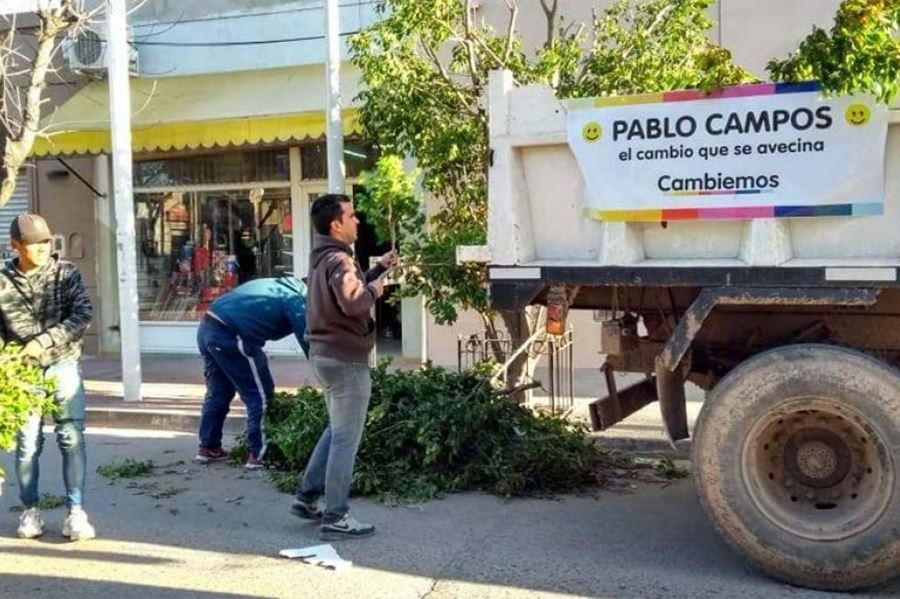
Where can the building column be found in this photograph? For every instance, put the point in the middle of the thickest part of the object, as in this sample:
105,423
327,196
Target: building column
415,328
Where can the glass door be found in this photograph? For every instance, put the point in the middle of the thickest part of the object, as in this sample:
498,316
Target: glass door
302,235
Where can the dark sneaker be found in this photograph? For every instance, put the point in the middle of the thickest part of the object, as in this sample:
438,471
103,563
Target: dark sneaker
345,528
308,511
252,463
207,456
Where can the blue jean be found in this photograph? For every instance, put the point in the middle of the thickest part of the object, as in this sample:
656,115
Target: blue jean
232,365
69,437
347,388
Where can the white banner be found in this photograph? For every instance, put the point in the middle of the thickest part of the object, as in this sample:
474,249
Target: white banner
758,151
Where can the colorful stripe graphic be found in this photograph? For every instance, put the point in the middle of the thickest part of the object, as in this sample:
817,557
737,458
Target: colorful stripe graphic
717,192
690,95
734,213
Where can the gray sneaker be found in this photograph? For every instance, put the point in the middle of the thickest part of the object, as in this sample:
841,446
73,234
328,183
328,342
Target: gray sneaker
77,527
345,528
308,511
31,524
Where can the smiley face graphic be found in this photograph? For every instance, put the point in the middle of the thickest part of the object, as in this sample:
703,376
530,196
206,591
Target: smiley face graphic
592,132
858,114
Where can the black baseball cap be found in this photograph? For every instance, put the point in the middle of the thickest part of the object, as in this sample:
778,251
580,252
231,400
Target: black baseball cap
29,228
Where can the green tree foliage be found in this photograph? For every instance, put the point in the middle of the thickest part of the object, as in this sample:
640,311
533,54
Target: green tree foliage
390,202
652,46
425,68
860,54
23,392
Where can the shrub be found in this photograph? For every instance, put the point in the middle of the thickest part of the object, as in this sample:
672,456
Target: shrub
434,431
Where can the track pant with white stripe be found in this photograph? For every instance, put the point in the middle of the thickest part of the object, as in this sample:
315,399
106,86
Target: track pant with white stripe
231,365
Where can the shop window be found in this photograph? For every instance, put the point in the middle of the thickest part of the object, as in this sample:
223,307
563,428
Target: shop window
194,246
211,169
357,158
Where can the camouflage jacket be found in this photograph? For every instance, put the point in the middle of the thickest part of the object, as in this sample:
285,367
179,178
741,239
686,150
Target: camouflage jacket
50,305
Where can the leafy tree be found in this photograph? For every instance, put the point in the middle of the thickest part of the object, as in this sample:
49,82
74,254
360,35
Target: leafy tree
425,66
861,53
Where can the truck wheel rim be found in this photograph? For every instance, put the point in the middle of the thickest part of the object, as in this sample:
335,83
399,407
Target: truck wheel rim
818,469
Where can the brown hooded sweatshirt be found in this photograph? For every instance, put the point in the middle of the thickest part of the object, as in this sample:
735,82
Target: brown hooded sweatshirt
339,299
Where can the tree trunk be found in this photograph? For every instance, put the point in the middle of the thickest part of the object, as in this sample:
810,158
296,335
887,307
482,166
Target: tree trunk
520,326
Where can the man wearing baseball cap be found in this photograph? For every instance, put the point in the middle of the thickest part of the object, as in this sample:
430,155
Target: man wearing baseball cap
45,309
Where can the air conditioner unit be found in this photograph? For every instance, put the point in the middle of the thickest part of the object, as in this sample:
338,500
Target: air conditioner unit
86,50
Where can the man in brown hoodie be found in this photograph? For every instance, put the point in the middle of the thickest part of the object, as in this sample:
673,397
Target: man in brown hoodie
341,334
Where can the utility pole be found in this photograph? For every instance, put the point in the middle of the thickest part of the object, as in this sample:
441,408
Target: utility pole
120,123
334,136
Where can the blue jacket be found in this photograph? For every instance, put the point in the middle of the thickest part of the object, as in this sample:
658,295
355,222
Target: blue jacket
265,310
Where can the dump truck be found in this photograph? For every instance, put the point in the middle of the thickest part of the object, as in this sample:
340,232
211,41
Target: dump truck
746,242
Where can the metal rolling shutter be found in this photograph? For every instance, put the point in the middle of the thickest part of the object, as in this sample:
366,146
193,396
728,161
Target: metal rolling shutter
16,206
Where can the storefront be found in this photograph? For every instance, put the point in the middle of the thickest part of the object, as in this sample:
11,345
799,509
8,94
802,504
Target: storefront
206,223
225,169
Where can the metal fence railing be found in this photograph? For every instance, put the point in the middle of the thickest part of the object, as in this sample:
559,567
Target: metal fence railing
554,351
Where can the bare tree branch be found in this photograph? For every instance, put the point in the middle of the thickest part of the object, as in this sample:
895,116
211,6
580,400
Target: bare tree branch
550,9
432,55
442,71
513,6
660,18
500,62
468,45
19,143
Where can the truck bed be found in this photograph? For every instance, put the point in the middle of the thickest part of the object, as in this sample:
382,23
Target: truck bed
538,221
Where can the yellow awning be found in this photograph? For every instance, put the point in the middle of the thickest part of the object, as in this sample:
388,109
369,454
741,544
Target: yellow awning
205,111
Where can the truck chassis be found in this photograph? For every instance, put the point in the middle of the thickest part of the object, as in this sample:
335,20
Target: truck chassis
795,449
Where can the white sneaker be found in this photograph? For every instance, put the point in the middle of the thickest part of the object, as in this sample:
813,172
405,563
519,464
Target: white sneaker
76,526
31,524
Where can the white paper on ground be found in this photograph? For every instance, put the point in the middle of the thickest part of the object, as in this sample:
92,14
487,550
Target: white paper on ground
318,555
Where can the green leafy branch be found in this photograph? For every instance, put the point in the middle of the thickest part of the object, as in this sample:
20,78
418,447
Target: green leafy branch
24,392
434,431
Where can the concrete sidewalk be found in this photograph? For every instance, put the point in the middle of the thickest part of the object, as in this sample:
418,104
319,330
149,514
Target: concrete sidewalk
173,391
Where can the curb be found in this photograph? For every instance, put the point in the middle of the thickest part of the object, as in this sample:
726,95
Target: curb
652,446
156,420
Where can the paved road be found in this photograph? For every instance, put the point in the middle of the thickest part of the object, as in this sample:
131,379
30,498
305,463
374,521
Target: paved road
217,536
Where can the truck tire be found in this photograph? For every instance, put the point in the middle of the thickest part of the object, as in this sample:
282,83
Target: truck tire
795,463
